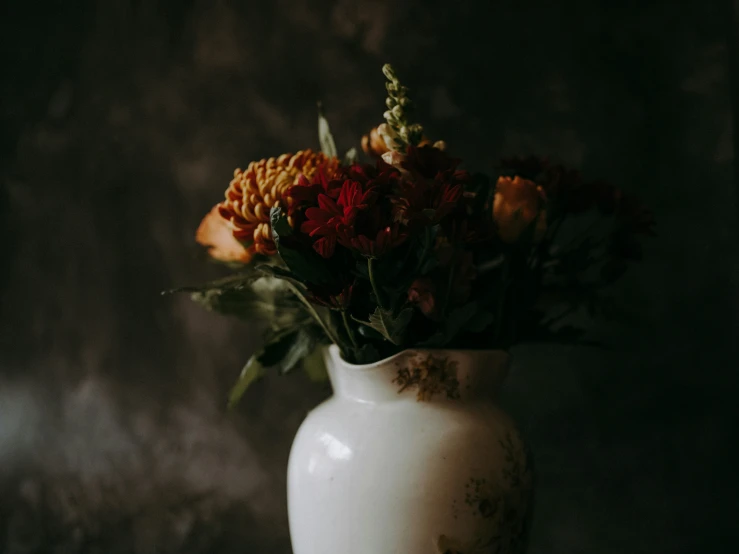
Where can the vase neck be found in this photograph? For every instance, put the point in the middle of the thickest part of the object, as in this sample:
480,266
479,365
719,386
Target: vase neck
419,374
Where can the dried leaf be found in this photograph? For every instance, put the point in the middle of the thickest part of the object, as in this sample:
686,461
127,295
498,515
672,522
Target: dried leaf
389,326
314,365
253,371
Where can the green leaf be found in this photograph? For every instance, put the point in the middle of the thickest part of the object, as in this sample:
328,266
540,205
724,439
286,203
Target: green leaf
302,344
279,273
314,365
351,157
480,321
285,349
368,332
236,296
239,303
307,267
366,354
437,340
298,289
233,281
328,146
458,319
390,327
426,256
280,226
278,343
287,346
466,317
253,371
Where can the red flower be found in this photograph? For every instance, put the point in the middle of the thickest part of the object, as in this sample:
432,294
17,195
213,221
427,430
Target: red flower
332,219
434,189
428,162
332,299
386,239
383,177
306,192
425,202
336,221
355,214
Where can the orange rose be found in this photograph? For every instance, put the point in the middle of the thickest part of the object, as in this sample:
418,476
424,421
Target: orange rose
518,203
215,233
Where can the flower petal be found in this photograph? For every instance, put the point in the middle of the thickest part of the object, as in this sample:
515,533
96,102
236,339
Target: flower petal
317,214
325,246
215,233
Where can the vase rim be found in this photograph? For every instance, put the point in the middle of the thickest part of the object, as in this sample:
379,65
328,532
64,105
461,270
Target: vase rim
336,354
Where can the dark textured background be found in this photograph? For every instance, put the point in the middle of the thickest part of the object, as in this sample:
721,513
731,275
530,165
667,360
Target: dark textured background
122,121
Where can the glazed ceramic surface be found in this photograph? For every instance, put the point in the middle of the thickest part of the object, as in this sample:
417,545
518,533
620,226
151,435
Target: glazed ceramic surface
411,456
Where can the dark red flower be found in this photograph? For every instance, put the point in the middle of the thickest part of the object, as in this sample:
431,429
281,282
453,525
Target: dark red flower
564,188
383,177
332,219
375,245
336,300
428,162
433,190
426,202
306,192
611,200
357,214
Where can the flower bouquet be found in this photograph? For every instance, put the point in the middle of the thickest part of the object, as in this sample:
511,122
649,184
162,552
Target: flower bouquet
420,275
410,250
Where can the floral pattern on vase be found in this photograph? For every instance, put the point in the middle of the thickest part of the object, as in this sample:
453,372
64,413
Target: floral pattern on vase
502,505
429,375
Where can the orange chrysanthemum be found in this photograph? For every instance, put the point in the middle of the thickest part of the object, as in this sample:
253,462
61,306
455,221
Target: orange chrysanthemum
261,187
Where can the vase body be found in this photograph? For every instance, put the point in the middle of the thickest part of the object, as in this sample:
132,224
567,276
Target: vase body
411,455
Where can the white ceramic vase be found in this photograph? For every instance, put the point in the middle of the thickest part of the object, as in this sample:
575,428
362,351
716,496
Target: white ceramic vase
411,455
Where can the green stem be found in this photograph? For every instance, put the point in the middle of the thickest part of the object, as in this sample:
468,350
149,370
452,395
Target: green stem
372,282
312,311
501,300
448,293
349,330
427,247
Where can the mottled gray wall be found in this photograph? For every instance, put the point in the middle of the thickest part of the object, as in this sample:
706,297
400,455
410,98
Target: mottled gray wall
122,122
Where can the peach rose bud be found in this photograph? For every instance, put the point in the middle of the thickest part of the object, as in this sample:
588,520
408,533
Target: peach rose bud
215,233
